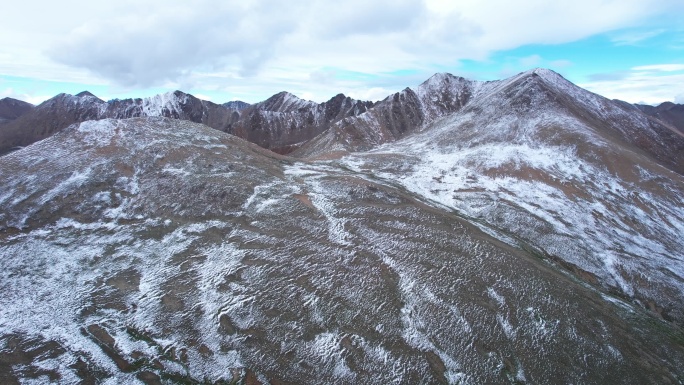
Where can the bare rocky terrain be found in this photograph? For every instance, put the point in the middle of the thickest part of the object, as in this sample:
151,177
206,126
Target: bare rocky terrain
10,109
667,112
523,231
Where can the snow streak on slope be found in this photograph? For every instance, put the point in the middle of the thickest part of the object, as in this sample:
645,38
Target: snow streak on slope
608,213
167,104
160,250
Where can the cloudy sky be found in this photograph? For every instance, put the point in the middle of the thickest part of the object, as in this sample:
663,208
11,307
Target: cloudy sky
248,50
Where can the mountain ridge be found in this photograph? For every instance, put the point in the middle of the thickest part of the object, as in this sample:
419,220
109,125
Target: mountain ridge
391,117
285,123
11,109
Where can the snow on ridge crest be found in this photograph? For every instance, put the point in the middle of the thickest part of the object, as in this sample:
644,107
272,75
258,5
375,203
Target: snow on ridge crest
171,101
285,102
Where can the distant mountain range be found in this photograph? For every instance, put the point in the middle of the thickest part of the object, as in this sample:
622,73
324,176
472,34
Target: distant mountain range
280,123
283,123
520,231
667,112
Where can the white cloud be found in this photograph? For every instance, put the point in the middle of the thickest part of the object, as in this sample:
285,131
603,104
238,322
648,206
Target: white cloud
231,45
203,97
651,84
31,98
560,64
679,99
660,67
635,37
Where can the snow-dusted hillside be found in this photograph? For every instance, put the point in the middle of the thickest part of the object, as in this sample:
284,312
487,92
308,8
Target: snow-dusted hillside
519,159
520,231
148,250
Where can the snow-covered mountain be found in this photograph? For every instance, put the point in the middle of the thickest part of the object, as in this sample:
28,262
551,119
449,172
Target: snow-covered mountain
63,110
284,122
237,105
414,109
280,123
595,196
459,232
11,109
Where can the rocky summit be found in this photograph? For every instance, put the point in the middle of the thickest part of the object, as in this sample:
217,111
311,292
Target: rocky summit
521,231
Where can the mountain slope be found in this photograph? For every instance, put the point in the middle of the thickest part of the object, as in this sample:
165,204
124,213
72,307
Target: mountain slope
154,249
523,161
283,122
667,112
395,116
47,118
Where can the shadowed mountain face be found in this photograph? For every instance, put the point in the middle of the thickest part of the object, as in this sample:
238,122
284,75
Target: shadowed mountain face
394,117
667,112
518,231
157,249
11,109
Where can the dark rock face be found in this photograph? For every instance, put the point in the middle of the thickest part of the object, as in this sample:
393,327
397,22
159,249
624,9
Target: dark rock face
667,112
11,109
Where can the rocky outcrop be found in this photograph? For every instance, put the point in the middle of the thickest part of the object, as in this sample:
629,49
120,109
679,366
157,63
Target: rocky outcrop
668,112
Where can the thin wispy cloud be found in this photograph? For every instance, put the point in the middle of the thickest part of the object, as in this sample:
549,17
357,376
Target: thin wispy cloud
660,67
636,37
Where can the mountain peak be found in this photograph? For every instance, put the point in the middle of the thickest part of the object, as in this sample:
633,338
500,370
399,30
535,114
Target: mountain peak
284,102
444,92
11,109
441,78
546,74
85,93
9,100
237,105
